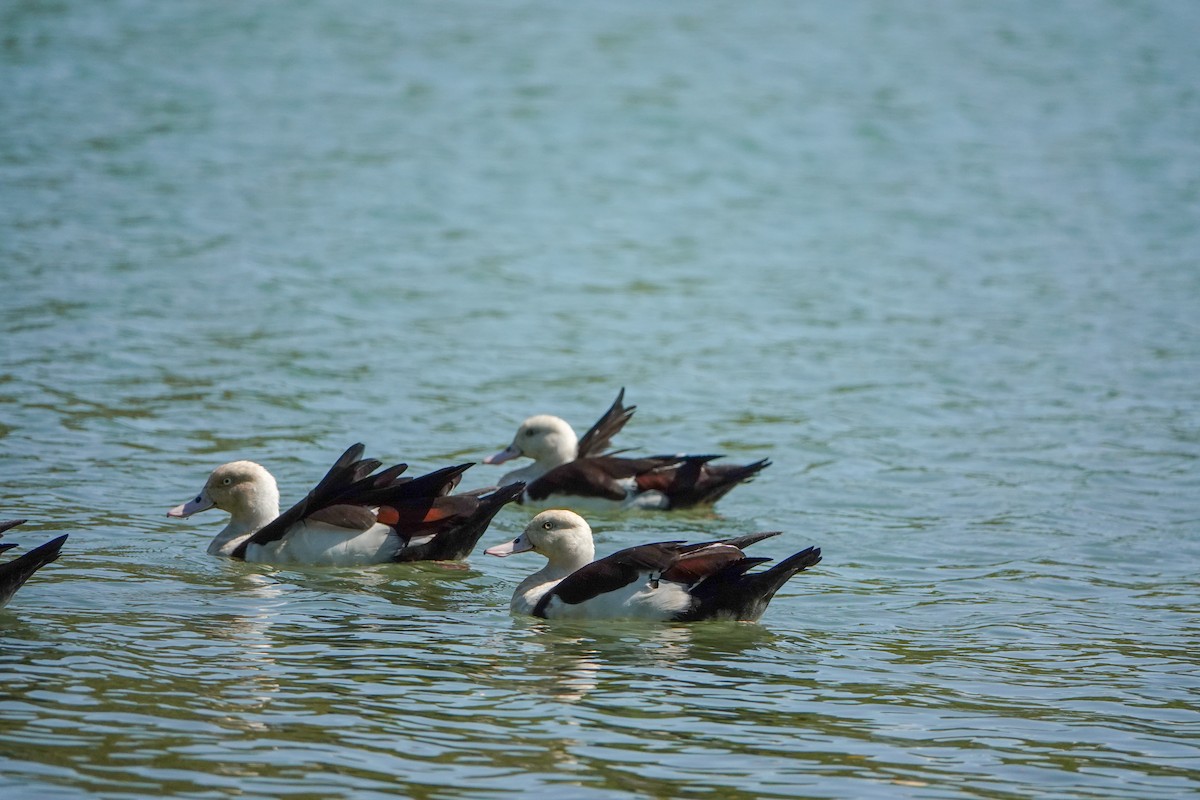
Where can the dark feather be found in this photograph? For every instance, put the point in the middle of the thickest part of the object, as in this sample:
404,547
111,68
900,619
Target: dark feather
596,477
343,471
712,482
672,473
698,565
389,475
731,593
686,481
458,522
581,478
742,542
9,524
354,518
611,573
13,574
599,436
434,484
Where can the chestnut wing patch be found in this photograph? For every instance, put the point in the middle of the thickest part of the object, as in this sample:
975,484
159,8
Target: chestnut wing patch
671,473
599,477
696,566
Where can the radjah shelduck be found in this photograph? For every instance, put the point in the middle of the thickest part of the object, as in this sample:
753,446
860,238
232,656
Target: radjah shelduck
578,472
354,516
661,581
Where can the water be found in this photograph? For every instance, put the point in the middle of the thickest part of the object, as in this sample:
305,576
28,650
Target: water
939,263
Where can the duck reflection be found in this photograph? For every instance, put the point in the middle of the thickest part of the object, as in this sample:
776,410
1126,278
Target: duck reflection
441,586
253,637
571,660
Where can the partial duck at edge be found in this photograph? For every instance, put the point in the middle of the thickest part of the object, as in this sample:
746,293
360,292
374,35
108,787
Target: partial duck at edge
14,573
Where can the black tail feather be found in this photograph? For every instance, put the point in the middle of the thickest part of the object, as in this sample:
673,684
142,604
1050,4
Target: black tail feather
742,542
14,573
701,483
456,542
769,581
734,594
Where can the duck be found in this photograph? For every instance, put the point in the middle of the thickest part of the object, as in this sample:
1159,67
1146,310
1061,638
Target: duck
568,470
14,573
353,517
666,581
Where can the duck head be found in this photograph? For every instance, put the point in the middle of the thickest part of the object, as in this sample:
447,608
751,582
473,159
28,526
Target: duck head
244,489
562,536
546,439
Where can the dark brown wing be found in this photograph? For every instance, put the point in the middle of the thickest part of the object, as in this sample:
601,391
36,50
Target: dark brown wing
354,518
434,484
596,477
451,526
670,561
699,561
611,573
672,472
697,565
599,436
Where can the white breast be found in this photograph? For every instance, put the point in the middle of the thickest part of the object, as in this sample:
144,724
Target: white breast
641,599
524,475
326,545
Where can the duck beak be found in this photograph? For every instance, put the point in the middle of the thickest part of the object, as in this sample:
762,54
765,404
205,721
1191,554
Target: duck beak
518,545
195,505
507,454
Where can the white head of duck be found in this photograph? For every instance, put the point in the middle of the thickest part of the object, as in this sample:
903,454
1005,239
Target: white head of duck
549,440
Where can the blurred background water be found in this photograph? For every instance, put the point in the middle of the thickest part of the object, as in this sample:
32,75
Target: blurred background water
937,261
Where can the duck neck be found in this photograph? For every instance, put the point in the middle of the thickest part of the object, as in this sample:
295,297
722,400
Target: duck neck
562,564
569,557
256,507
560,450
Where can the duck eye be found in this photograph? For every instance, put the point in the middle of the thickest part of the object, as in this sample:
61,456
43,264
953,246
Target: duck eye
547,525
227,481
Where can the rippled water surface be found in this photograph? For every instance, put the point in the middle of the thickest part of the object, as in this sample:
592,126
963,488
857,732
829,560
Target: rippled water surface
937,261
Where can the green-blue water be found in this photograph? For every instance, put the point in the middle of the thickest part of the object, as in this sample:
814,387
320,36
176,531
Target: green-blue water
938,261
